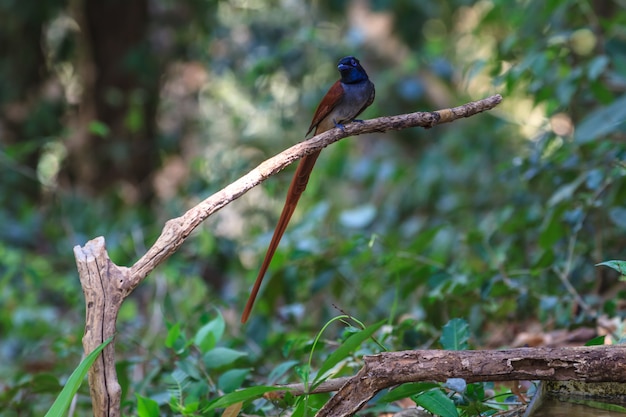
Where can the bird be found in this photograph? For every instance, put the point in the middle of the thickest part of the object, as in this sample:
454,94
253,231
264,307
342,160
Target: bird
344,101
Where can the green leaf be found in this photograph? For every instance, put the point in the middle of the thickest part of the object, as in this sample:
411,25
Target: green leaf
619,266
146,407
437,403
566,191
552,230
544,261
207,337
280,370
455,335
190,407
602,121
221,356
597,66
407,390
187,368
299,410
232,379
251,393
424,238
618,217
596,341
172,335
342,352
62,402
99,129
44,383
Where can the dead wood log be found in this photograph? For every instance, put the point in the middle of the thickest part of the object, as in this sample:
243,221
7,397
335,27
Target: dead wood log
385,370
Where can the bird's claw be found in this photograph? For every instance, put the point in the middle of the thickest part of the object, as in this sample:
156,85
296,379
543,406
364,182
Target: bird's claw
340,126
343,128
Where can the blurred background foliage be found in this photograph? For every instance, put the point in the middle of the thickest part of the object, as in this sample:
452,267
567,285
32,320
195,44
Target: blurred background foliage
117,116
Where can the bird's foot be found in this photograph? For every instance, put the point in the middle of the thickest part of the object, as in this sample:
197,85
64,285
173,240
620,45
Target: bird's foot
340,126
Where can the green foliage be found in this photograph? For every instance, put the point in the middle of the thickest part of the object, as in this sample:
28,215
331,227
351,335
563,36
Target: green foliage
63,401
203,369
192,388
455,335
437,403
207,337
407,390
596,341
619,266
342,353
498,219
147,407
246,394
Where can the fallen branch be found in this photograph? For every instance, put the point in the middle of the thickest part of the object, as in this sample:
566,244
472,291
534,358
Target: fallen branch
106,285
589,364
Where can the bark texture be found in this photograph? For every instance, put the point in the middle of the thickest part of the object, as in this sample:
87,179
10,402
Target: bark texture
590,364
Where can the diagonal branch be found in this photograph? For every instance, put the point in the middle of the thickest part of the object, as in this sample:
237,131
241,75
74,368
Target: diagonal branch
106,285
177,230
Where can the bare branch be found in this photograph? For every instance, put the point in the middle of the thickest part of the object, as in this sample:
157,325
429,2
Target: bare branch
176,230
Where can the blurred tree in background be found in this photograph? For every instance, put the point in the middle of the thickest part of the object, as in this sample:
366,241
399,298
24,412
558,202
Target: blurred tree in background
116,116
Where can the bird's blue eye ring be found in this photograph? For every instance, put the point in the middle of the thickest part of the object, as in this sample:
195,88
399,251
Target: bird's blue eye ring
353,62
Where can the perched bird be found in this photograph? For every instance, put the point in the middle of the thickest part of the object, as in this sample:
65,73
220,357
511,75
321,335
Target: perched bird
344,101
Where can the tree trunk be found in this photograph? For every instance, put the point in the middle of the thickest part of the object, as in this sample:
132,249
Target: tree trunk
120,77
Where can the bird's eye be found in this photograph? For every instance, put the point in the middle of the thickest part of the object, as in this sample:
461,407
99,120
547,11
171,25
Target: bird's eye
353,62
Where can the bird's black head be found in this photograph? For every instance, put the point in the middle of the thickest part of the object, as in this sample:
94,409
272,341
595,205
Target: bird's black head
351,70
